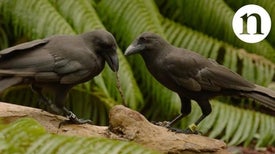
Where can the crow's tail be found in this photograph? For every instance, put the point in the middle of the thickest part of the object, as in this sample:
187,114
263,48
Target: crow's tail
263,95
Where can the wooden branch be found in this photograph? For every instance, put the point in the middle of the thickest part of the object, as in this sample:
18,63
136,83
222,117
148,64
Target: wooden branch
125,124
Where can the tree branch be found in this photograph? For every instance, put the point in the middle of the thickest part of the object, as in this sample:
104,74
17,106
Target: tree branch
125,124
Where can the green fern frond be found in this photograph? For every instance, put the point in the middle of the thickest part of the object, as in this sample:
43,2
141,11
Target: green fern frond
209,13
133,18
234,125
128,14
89,102
268,5
28,136
3,37
40,21
82,17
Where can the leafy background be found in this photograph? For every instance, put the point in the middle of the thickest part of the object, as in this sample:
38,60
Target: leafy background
203,26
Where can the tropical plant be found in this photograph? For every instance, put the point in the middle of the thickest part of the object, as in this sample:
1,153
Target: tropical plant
28,136
198,25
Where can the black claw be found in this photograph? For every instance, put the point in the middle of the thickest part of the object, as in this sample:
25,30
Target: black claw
74,120
176,130
165,124
189,131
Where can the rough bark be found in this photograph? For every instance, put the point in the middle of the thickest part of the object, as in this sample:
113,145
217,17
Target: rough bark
125,124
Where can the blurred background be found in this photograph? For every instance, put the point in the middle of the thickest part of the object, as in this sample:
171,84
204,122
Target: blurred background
204,26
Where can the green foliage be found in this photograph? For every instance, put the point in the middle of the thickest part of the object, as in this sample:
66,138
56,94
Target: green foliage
3,37
234,125
199,25
207,14
28,136
268,5
137,17
25,17
245,126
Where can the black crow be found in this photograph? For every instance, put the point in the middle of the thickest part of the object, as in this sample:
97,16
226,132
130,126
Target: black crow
194,77
58,63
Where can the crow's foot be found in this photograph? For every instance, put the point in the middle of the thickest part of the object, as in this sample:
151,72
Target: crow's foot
190,130
74,120
165,124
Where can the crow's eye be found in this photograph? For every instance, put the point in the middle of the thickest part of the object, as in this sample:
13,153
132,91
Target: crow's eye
102,43
142,40
108,46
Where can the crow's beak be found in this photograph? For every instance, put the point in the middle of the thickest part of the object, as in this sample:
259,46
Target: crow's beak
112,60
133,49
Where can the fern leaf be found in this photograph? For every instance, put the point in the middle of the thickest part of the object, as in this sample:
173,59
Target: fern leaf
27,136
209,13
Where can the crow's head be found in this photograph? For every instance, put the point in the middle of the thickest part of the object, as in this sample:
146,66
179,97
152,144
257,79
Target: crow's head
146,42
104,44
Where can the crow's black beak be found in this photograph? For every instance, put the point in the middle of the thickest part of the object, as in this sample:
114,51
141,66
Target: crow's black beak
133,49
112,60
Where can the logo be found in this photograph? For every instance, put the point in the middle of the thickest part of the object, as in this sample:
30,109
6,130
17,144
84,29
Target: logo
251,23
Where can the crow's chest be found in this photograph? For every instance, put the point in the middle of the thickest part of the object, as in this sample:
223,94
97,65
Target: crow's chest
157,69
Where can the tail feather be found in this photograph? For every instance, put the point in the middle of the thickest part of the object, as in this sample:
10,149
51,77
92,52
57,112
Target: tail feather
8,82
263,95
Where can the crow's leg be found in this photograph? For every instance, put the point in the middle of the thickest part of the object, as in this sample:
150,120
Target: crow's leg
42,100
185,110
206,110
73,118
59,100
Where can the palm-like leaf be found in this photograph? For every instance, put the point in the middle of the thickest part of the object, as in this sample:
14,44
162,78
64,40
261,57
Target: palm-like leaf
268,5
3,37
135,17
27,136
207,14
28,21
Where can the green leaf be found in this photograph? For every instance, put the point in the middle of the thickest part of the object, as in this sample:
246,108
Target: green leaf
209,13
268,5
28,21
28,136
128,14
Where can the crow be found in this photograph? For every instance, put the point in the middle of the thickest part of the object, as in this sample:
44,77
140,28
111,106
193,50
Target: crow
193,77
57,63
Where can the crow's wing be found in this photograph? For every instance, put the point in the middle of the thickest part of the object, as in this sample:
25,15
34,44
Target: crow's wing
224,78
194,72
24,46
71,72
38,61
25,60
63,59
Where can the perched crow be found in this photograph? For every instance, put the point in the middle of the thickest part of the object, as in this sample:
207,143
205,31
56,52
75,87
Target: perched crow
58,63
194,77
